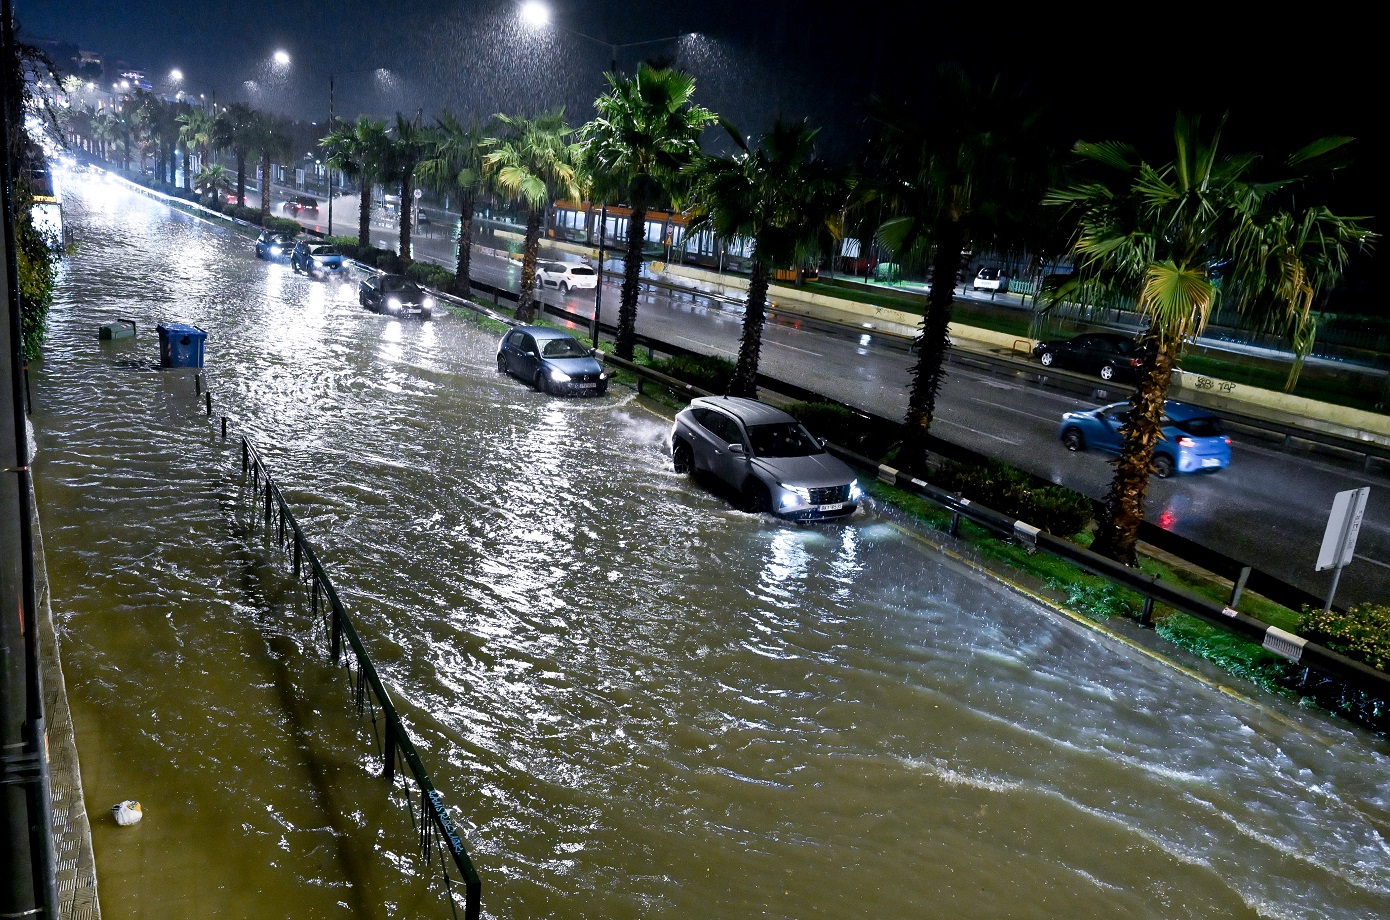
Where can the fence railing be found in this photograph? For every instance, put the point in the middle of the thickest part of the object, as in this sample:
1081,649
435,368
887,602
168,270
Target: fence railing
435,828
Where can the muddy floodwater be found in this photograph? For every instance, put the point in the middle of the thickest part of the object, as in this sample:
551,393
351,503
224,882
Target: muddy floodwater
636,701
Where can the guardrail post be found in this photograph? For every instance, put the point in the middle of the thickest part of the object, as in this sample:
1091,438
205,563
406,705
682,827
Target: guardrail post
388,768
296,554
336,645
208,396
955,523
267,501
1239,588
1147,617
245,456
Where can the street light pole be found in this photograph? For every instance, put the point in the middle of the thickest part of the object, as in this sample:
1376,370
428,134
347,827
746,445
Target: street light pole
330,165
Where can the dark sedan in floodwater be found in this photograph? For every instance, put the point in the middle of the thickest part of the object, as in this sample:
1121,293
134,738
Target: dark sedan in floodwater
274,245
318,260
396,295
552,361
1191,439
769,460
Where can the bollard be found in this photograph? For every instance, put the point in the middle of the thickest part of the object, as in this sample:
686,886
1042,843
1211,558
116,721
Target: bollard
245,451
224,427
208,394
198,384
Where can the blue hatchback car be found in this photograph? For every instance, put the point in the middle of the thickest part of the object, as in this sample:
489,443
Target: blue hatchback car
1191,440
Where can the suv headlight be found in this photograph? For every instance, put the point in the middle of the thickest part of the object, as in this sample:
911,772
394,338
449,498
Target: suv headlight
559,376
855,493
427,302
793,495
393,303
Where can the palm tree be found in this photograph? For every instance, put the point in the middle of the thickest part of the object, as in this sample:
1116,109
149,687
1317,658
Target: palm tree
234,130
646,133
197,128
271,138
781,196
106,130
1304,251
456,162
970,171
406,146
359,149
214,182
534,162
1154,234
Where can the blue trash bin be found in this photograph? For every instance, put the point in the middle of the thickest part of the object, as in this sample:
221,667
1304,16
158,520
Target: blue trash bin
180,345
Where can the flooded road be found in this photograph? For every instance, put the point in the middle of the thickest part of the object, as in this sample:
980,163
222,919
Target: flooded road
637,701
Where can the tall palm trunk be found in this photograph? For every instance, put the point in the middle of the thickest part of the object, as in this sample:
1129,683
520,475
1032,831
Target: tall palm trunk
632,285
526,303
265,185
463,285
745,380
407,213
1124,503
931,345
364,212
187,165
241,178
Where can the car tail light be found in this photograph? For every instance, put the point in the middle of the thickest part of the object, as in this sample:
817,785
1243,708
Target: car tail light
1185,441
1135,362
1227,439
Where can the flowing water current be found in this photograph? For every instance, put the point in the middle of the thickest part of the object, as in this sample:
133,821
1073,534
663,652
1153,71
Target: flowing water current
636,701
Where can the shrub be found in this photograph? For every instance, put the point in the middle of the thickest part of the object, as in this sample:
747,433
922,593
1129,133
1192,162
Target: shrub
1361,632
429,274
344,243
705,371
240,212
282,225
387,261
1000,487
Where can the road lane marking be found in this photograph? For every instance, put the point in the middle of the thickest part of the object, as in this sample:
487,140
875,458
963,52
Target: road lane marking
1023,412
946,421
794,348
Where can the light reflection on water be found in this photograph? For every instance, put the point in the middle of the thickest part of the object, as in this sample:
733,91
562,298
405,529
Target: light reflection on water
639,701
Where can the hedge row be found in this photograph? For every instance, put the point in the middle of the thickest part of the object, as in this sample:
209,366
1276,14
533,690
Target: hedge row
1361,632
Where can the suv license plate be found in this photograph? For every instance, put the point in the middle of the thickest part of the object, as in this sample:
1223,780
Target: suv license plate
586,386
1211,461
833,506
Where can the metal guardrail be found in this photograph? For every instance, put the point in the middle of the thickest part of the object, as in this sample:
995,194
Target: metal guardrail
435,828
1293,647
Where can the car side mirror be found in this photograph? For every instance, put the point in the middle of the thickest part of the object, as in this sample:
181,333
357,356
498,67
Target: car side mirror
736,448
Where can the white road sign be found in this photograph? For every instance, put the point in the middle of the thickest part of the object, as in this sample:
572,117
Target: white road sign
1339,540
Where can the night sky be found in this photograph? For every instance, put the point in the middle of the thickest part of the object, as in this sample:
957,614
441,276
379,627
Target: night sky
1285,79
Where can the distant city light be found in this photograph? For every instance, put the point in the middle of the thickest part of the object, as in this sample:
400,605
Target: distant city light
534,13
176,75
282,57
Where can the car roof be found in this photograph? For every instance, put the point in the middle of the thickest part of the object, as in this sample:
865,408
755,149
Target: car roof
1181,412
748,411
544,332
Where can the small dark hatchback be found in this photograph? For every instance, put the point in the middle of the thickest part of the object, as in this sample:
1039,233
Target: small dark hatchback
552,361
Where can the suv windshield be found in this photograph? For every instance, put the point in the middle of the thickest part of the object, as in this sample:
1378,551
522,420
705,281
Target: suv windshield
564,348
326,251
782,439
397,284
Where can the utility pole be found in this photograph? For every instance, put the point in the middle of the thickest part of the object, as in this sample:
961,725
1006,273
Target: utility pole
330,165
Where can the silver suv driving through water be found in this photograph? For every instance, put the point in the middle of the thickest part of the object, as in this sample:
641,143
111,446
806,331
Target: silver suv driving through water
769,460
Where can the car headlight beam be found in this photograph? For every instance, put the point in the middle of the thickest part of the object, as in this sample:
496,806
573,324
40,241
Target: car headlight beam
559,376
855,493
393,303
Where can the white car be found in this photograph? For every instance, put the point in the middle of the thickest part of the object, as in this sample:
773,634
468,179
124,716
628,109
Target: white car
991,279
566,276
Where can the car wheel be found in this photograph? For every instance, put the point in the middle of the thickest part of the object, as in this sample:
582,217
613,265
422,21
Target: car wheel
1073,440
1163,466
564,288
501,364
755,498
1107,372
539,383
682,458
1046,358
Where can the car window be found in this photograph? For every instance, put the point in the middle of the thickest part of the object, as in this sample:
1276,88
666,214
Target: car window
716,423
1124,346
564,348
783,439
1204,426
326,251
393,284
581,270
